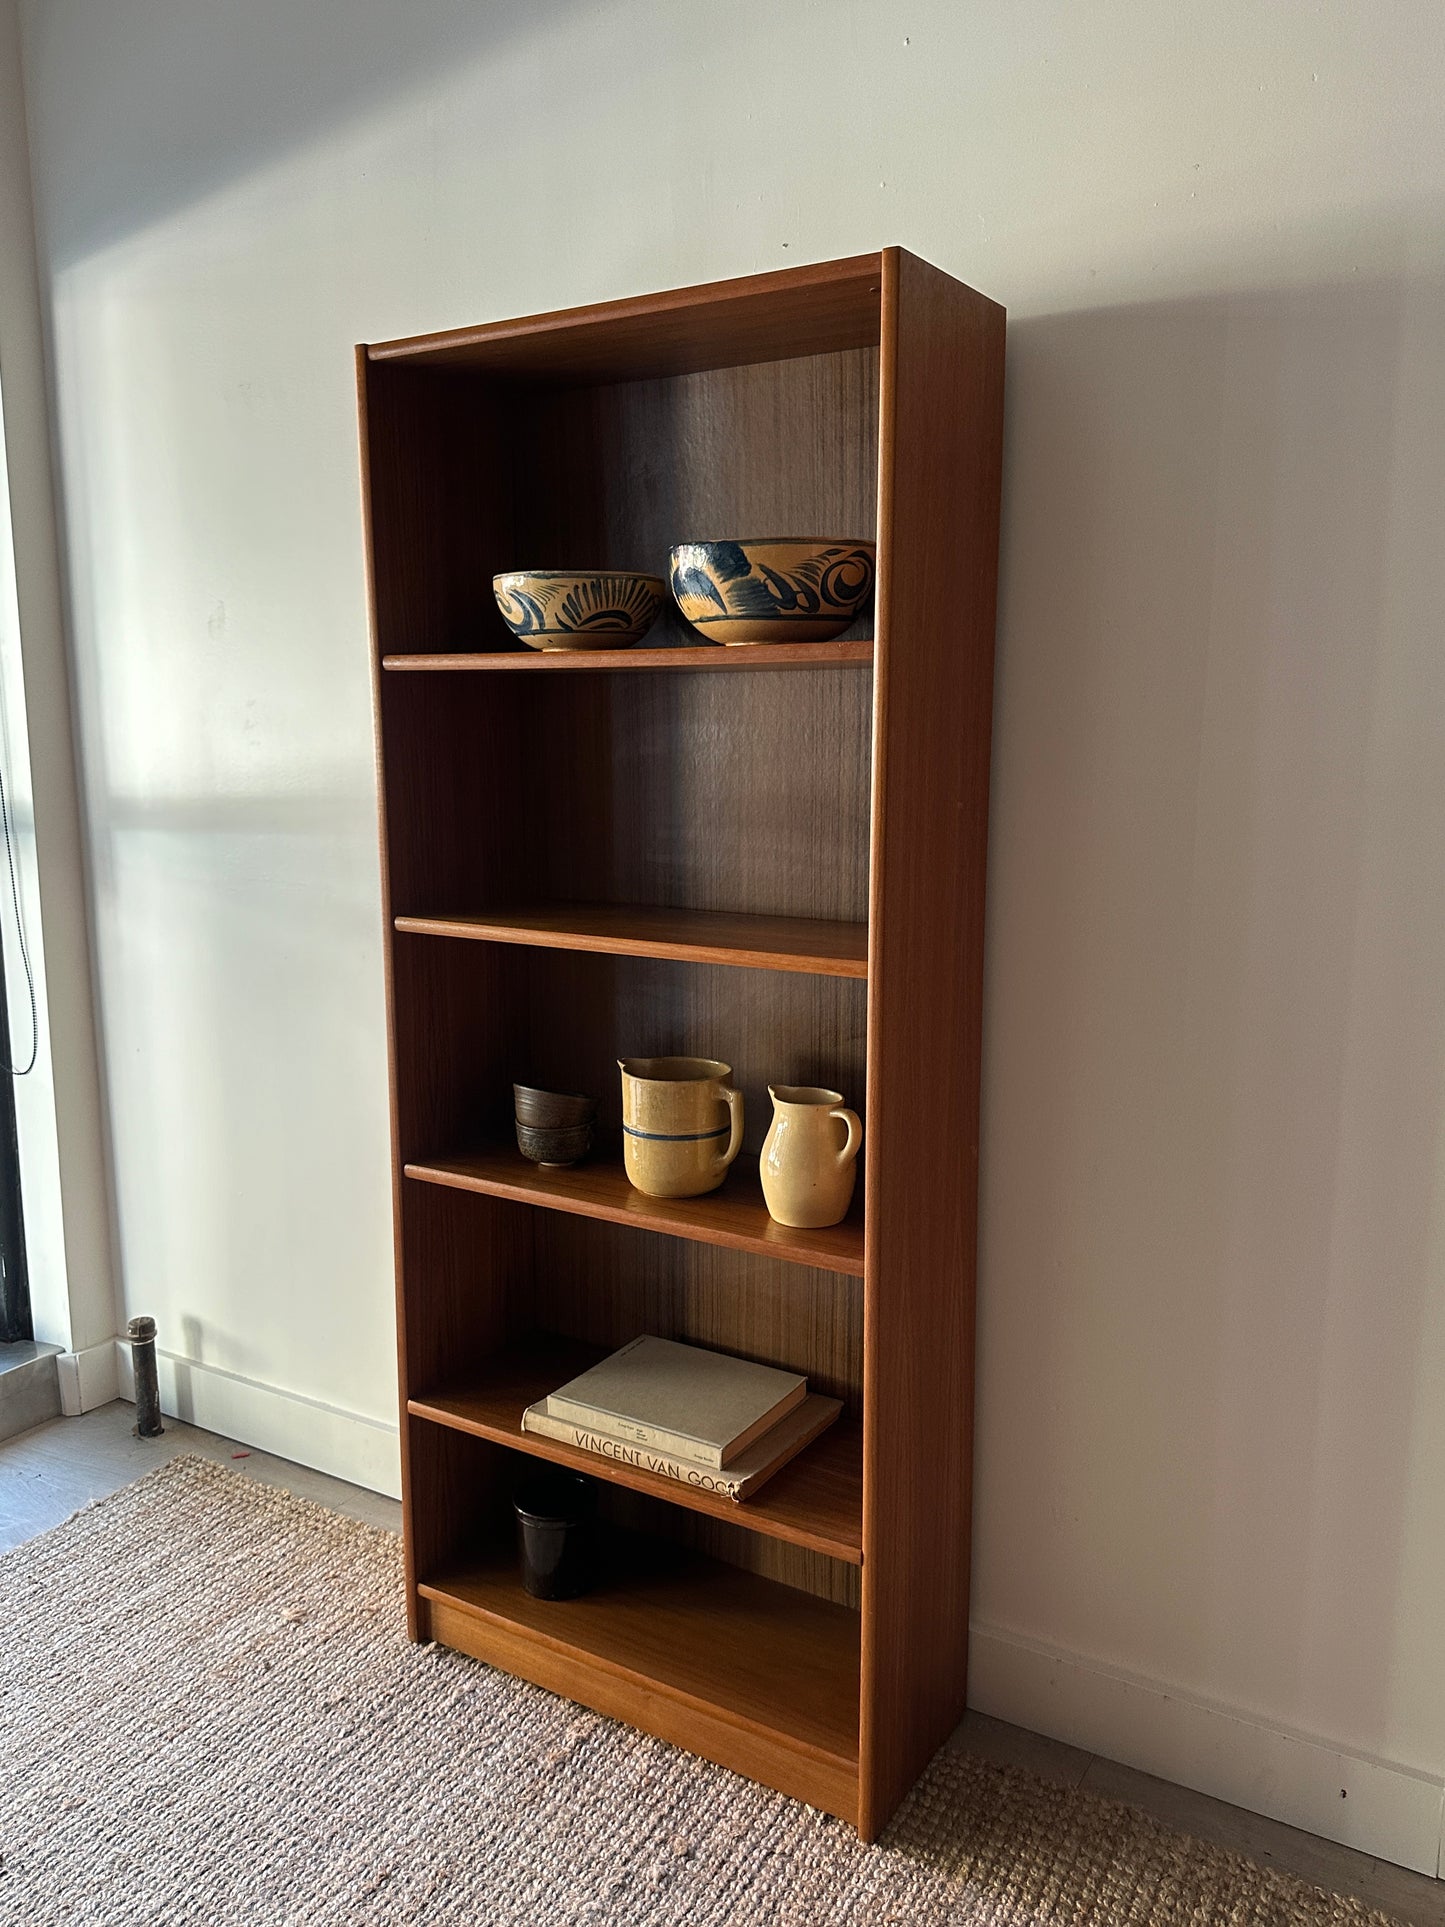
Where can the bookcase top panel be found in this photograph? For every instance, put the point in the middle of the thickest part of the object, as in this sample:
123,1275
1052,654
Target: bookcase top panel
762,317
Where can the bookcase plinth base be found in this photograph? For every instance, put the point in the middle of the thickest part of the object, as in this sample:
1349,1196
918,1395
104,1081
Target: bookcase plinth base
737,1669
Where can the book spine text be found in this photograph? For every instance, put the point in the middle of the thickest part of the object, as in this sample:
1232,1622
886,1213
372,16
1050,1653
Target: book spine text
632,1432
641,1458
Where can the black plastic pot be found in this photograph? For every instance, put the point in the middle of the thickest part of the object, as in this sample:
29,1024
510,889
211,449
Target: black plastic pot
554,1532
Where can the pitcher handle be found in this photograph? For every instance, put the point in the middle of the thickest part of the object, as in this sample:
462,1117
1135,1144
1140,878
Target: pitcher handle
735,1117
855,1132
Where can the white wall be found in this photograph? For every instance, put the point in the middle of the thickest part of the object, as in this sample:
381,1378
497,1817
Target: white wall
1211,1444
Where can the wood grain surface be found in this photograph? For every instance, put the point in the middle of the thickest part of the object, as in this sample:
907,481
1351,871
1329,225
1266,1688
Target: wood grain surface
757,1676
942,419
805,944
798,311
808,1569
816,1501
478,1017
856,399
616,476
743,795
603,1284
680,656
734,1215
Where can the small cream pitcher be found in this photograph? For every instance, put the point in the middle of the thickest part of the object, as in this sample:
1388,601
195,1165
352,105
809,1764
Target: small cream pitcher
682,1124
807,1175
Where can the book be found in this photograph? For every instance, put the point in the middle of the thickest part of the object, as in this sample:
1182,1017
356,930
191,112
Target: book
737,1481
693,1404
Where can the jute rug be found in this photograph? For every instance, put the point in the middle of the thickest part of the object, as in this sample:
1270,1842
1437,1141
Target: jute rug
209,1713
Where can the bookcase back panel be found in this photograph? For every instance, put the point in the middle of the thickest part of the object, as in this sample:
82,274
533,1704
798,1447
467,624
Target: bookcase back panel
473,1018
795,1566
455,771
462,1490
739,793
472,474
615,476
440,520
777,1027
457,1045
605,1284
466,1262
744,793
464,1487
460,1496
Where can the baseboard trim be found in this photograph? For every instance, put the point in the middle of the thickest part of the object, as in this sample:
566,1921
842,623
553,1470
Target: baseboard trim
1387,1810
29,1386
87,1378
327,1438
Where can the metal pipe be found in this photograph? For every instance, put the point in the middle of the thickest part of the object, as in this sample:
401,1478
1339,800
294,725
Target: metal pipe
142,1335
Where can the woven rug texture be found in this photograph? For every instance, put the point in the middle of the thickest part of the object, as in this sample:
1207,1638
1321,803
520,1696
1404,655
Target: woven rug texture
209,1713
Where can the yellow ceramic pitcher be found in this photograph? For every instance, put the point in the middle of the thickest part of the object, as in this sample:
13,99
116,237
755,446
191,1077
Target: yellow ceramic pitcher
807,1174
682,1124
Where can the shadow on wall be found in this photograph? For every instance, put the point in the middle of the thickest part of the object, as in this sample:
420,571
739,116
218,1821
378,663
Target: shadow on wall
1215,1052
234,103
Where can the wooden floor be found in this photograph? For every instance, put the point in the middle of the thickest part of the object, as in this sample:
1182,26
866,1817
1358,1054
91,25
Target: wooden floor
47,1474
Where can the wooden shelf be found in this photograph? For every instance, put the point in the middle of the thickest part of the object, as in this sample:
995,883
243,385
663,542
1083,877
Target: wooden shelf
735,1215
781,655
816,1501
752,1674
803,944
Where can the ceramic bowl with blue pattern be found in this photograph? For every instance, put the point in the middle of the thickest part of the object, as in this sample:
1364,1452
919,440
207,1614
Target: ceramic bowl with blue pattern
779,589
578,608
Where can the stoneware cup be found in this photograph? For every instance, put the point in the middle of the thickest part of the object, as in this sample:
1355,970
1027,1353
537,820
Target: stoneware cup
682,1124
809,1163
552,1110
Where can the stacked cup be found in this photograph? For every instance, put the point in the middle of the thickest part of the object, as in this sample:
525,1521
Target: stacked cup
554,1128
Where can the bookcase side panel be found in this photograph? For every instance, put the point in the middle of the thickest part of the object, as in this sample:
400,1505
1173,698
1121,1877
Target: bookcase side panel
941,412
460,1499
432,461
375,429
461,1260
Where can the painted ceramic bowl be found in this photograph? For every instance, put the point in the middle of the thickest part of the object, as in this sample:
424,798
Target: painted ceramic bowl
578,608
786,589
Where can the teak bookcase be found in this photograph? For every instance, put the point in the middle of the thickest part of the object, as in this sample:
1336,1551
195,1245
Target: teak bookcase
772,855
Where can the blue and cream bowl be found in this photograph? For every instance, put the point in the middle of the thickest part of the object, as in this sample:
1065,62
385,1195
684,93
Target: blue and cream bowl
779,589
578,608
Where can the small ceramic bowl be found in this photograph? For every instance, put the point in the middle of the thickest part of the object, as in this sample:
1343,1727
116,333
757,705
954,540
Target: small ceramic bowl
552,1110
578,608
786,589
555,1147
